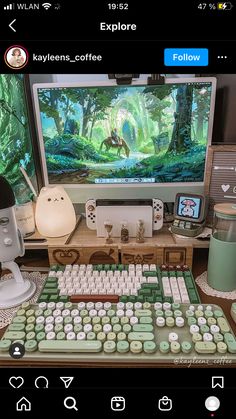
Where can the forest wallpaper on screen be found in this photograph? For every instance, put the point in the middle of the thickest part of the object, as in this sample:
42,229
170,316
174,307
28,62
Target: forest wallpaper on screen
15,141
111,132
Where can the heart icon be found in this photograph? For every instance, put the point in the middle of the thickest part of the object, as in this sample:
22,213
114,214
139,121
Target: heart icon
16,382
225,187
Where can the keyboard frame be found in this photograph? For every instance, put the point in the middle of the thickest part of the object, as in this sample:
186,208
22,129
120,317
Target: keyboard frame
192,359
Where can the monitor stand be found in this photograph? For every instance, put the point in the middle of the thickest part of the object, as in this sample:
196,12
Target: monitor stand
15,291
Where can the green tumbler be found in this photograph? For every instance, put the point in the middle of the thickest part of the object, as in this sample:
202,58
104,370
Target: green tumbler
221,271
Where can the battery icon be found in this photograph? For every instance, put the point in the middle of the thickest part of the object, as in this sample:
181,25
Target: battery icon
224,6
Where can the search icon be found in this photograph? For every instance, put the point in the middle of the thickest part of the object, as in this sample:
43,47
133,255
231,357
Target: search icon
70,405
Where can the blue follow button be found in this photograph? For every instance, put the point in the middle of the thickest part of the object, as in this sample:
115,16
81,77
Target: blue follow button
186,57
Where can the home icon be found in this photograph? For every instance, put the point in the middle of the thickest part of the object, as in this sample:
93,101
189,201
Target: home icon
23,405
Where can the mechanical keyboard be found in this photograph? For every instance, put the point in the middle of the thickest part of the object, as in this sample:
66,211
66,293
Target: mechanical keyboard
123,332
124,283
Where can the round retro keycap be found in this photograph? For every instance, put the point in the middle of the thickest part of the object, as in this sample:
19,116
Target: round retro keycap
221,347
201,321
5,345
59,320
40,320
166,306
31,345
122,346
196,337
218,337
40,336
214,329
43,306
61,336
173,337
68,328
39,328
51,305
160,321
157,306
204,329
186,347
109,346
111,336
91,336
136,347
58,328
81,336
127,328
170,321
207,337
107,328
71,336
149,347
146,306
88,328
49,328
133,320
50,336
168,313
90,305
138,305
175,347
121,336
194,329
81,306
101,336
164,347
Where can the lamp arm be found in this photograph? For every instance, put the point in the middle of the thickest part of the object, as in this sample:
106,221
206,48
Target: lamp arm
14,268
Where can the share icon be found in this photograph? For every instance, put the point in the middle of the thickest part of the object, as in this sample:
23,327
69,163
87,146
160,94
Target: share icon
67,381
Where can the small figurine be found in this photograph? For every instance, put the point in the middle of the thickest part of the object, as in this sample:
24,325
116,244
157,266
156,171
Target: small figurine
124,232
140,232
108,227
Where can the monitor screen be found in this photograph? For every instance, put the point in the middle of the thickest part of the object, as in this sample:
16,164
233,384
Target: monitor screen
189,207
136,134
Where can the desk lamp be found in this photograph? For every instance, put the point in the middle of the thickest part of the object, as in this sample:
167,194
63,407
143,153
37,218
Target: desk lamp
17,290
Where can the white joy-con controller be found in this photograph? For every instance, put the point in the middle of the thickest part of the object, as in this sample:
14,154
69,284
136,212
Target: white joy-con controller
158,209
90,213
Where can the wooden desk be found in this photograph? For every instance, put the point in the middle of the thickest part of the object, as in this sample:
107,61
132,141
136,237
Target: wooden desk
86,247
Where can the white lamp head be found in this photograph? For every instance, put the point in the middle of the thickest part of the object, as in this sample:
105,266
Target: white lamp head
55,214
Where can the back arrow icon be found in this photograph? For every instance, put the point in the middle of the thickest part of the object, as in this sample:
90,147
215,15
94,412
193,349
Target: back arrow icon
10,25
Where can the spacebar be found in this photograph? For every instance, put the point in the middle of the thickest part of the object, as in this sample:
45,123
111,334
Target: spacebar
70,346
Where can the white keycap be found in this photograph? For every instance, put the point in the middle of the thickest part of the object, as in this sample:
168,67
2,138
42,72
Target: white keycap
129,306
133,320
50,336
77,320
158,306
153,267
56,313
200,307
43,306
192,308
107,328
194,329
98,305
68,328
179,321
71,336
166,286
107,306
74,312
49,328
102,313
129,313
209,308
120,313
166,306
81,336
138,305
146,267
40,320
81,306
92,313
207,337
52,274
201,321
88,328
160,321
59,320
65,312
214,329
50,320
173,337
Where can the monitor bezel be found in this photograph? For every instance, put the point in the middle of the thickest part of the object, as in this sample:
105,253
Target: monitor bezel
177,80
202,214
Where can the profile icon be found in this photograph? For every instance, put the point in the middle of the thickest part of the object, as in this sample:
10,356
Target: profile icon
16,57
16,350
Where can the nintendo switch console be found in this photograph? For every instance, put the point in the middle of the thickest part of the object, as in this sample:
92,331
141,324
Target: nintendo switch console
128,210
190,212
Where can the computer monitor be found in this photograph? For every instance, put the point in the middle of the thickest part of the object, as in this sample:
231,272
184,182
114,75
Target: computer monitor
190,207
139,141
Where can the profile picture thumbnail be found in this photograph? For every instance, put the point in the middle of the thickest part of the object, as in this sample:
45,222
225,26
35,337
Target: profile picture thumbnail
16,57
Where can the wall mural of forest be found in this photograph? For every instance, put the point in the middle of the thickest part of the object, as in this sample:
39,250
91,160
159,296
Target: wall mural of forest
15,142
100,132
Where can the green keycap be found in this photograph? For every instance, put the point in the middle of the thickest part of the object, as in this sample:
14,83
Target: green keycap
175,306
30,320
68,320
145,320
168,313
68,305
16,327
230,342
146,306
96,320
105,320
86,320
31,345
186,347
136,347
61,336
208,313
127,328
48,312
40,336
140,336
189,313
218,337
50,291
145,291
149,347
38,312
19,319
150,273
178,313
29,328
117,328
122,347
115,320
124,320
218,313
63,298
53,298
221,347
223,325
170,322
143,313
97,328
205,347
101,337
58,328
109,346
25,305
77,328
191,320
14,335
164,347
123,299
159,313
21,312
30,336
83,313
91,336
204,329
39,328
111,313
121,336
43,298
5,345
142,327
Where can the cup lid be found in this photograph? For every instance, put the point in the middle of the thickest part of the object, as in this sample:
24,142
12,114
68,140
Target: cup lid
228,208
